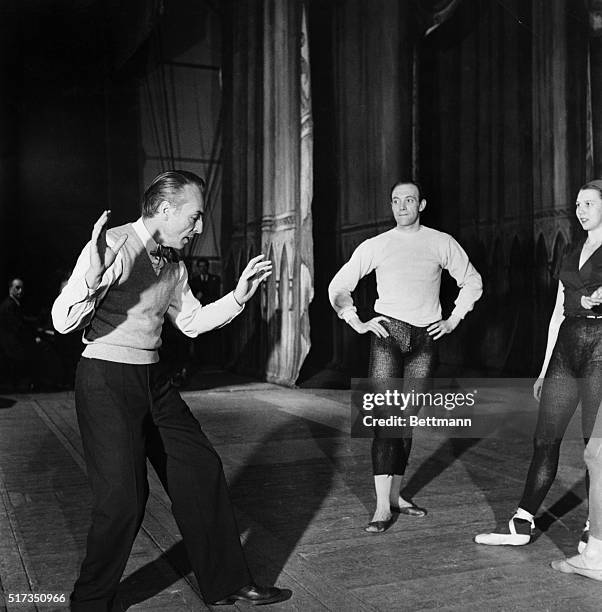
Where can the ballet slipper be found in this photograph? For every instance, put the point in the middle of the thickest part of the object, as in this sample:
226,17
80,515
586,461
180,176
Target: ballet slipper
507,539
566,567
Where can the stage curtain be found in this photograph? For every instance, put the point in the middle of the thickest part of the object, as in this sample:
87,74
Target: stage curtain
503,149
10,106
432,13
372,52
594,89
129,25
268,181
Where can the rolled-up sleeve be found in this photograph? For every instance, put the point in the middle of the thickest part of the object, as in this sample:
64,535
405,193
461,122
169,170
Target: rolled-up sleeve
191,318
74,307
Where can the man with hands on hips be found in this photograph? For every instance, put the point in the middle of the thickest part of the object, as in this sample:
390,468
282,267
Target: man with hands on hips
125,281
400,281
406,205
408,261
435,330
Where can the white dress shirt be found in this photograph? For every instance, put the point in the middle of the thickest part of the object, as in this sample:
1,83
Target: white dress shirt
74,307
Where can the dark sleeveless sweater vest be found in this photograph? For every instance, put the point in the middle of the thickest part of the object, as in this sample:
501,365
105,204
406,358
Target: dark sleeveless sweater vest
126,326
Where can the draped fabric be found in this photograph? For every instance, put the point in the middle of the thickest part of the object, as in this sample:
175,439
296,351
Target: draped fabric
130,24
306,253
372,116
165,105
268,181
181,111
594,10
9,135
504,153
594,89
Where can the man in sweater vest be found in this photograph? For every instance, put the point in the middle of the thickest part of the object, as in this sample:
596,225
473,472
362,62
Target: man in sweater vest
408,261
124,283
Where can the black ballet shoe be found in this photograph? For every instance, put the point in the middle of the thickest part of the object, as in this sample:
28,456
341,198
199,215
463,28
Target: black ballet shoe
377,526
412,510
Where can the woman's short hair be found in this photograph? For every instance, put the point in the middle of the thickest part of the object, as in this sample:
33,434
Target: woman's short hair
165,187
594,184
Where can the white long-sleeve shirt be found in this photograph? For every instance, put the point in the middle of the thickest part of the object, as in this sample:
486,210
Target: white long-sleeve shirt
408,269
77,305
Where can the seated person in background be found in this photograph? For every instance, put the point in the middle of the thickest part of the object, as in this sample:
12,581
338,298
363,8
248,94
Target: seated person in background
17,339
204,285
206,350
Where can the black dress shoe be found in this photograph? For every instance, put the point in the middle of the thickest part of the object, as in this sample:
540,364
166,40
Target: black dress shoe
256,596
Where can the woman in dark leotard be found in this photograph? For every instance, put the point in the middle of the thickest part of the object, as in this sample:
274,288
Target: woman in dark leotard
572,366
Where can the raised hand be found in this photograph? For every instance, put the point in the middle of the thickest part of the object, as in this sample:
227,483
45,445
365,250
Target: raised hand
257,270
102,256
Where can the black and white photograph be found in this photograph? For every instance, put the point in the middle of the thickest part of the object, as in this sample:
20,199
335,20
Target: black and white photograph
302,305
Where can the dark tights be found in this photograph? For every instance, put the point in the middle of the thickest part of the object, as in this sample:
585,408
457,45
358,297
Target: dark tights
574,374
408,352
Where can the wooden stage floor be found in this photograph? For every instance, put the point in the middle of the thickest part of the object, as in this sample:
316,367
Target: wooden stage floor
302,491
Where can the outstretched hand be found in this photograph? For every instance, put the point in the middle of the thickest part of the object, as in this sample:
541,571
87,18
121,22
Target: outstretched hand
257,270
102,256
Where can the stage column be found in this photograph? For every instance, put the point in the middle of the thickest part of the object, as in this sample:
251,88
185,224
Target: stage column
268,180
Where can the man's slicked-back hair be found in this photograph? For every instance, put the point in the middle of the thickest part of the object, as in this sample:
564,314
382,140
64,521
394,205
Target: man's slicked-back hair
407,182
165,187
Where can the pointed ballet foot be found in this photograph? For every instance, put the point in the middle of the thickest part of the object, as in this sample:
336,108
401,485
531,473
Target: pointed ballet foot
502,539
566,567
514,537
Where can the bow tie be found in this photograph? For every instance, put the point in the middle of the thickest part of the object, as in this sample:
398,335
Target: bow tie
166,253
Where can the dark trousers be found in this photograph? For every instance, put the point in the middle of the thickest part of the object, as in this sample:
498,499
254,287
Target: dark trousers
127,413
409,353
